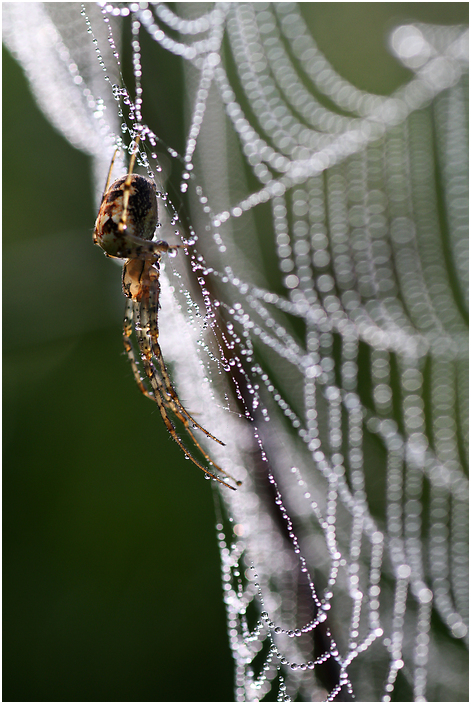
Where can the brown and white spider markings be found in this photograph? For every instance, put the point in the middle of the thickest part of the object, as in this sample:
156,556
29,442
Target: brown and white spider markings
125,228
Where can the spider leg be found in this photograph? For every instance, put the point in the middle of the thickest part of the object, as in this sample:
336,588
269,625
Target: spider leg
205,455
108,179
161,402
150,303
132,247
127,185
174,397
164,399
127,332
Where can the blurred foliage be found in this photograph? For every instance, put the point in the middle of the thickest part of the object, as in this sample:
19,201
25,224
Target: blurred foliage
111,572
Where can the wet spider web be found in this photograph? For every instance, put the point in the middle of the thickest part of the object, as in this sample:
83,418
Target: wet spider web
325,308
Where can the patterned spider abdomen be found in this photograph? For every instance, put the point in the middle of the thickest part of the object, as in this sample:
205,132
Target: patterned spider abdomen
120,226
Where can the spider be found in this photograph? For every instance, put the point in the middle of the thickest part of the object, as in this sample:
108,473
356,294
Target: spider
124,229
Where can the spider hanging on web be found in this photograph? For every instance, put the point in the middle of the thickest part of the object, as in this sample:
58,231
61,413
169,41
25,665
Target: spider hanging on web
124,228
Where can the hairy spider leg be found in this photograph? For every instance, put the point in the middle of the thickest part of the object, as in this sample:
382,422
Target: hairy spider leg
148,286
127,186
153,329
151,296
127,332
145,312
173,394
110,171
132,312
159,396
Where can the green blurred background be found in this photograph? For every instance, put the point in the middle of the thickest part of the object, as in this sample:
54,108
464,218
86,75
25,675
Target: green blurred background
111,569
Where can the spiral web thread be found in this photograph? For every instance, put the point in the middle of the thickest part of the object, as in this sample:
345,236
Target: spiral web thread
344,554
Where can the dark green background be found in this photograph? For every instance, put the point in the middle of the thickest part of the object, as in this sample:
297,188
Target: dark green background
111,569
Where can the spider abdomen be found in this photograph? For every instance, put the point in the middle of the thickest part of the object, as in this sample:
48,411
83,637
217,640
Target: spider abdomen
120,237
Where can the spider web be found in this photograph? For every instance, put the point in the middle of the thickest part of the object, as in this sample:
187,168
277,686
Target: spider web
325,314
